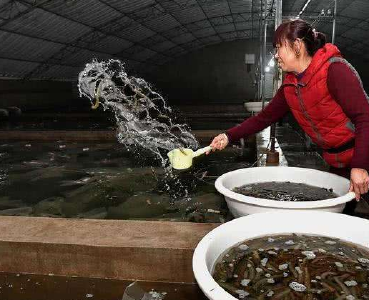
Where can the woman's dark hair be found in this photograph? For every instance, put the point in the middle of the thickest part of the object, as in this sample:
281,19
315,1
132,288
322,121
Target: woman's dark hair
299,29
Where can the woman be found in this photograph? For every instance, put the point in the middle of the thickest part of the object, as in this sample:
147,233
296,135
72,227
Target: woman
325,95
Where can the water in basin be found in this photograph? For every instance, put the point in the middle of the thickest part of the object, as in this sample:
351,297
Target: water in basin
294,266
285,191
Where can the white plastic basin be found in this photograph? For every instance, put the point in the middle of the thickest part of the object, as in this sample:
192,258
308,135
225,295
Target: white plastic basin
254,106
351,229
241,205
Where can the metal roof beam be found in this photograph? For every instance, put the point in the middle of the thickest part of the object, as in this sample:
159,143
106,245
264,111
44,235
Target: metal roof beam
91,37
227,18
13,9
240,35
205,14
230,11
53,41
69,48
355,26
174,17
181,4
132,17
182,30
245,32
33,61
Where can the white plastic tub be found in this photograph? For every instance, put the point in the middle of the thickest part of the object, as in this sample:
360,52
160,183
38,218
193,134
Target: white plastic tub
241,205
255,106
351,229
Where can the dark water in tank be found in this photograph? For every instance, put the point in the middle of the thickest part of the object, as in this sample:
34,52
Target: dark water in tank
51,287
130,180
106,181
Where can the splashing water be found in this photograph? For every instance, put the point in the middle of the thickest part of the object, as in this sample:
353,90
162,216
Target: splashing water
142,116
141,113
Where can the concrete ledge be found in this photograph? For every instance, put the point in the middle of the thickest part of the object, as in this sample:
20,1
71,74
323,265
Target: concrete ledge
115,249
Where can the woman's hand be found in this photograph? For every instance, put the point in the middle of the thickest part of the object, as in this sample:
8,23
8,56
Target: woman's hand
359,182
219,142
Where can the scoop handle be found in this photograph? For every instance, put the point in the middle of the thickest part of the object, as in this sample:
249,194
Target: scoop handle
202,151
351,194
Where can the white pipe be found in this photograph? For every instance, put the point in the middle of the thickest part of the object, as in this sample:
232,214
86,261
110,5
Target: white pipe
334,22
303,9
264,59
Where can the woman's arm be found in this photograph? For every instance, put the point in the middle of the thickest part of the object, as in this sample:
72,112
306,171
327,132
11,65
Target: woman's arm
275,110
346,89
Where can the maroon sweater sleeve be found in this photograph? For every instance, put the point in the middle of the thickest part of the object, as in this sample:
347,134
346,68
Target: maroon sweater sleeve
346,89
275,110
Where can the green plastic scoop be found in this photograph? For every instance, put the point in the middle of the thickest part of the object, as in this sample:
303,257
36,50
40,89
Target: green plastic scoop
181,158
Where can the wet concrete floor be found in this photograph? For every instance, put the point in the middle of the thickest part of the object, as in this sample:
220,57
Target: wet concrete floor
39,287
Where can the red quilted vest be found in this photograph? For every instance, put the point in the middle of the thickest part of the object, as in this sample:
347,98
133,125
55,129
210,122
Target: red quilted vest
320,116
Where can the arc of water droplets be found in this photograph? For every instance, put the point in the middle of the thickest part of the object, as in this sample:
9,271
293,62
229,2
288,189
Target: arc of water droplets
142,114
